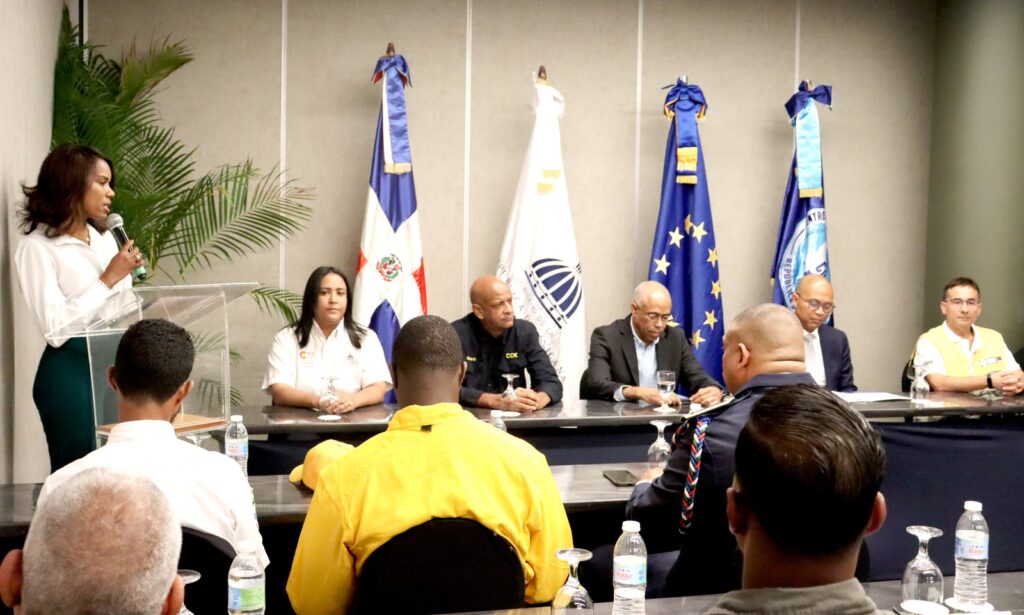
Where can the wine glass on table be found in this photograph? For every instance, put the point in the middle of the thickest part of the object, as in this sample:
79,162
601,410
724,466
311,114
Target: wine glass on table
572,597
509,394
659,452
918,384
330,393
187,576
666,387
922,585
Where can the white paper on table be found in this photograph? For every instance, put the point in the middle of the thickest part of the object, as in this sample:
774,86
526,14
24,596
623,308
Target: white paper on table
867,396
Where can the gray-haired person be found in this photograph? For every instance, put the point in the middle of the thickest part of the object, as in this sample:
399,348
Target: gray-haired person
106,541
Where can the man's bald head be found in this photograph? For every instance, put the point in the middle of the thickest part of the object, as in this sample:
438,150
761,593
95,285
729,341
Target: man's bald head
651,310
813,301
650,290
492,304
762,339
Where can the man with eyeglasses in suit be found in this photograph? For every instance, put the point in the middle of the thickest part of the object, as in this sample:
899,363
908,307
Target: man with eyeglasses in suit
826,349
626,355
961,356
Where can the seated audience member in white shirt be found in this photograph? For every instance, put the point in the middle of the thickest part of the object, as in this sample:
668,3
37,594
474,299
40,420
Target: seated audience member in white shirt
208,491
325,359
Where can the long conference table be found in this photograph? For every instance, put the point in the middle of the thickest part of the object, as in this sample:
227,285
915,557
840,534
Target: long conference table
956,447
573,432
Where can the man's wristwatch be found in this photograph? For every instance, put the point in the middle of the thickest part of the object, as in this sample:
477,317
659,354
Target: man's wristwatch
988,380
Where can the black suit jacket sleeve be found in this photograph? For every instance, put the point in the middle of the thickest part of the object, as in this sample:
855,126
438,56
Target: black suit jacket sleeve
835,351
597,380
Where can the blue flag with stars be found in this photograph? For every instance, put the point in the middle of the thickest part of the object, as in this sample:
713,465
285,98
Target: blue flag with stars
684,256
802,245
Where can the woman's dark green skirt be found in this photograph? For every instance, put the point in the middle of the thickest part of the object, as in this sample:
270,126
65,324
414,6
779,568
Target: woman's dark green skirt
63,395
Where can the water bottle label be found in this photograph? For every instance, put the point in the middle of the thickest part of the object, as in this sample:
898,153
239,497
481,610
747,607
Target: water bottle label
630,572
236,448
246,598
972,545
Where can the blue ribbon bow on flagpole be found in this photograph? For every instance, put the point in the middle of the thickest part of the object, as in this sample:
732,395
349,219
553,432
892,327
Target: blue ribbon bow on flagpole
398,157
686,104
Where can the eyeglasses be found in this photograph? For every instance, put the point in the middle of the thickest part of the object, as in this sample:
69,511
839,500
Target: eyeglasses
655,317
816,305
962,302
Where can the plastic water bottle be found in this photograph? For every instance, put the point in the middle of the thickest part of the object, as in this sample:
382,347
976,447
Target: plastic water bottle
247,584
236,442
497,421
629,571
970,587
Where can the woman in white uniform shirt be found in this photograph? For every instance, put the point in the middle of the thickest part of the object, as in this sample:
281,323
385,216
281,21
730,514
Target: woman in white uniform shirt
324,347
68,265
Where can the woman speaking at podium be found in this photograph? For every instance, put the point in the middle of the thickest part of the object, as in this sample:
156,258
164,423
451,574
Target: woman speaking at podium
68,264
325,360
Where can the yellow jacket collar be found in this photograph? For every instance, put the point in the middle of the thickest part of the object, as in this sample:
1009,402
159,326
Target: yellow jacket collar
414,417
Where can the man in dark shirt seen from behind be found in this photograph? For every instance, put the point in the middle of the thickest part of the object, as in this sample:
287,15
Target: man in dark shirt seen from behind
763,350
805,494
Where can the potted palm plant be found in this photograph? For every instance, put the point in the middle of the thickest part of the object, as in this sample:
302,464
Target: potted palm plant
183,220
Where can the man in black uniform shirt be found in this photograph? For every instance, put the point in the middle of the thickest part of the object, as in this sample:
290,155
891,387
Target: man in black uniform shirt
494,342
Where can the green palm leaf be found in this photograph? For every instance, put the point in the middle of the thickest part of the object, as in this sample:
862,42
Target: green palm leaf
232,217
284,302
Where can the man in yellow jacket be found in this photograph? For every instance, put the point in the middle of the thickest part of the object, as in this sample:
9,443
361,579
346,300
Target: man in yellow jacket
961,356
434,460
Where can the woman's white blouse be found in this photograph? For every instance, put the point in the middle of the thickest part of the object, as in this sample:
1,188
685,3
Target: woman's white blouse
308,369
60,276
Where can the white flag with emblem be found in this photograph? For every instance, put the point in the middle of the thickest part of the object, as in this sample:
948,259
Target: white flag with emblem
539,261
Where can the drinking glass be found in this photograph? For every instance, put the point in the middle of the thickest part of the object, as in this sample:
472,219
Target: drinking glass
666,386
509,394
660,451
572,597
922,579
187,576
918,384
329,390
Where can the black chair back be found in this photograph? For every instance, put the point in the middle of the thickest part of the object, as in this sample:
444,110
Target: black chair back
441,566
904,381
211,557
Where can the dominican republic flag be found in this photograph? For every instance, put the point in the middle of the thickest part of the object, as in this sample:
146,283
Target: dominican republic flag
684,255
802,246
390,288
539,261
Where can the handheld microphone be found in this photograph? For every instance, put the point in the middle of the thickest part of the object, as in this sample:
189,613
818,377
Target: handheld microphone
116,226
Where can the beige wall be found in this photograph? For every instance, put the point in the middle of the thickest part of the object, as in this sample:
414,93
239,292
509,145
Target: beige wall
975,225
28,44
471,62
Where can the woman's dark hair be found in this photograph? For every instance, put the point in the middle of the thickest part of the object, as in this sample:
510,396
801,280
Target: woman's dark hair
63,178
304,324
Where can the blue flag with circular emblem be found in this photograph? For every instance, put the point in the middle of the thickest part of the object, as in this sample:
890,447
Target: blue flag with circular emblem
802,245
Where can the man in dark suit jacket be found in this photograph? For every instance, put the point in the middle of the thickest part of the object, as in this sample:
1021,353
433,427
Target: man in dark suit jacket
826,348
626,355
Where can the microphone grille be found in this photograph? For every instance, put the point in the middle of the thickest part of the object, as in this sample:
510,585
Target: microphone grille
114,220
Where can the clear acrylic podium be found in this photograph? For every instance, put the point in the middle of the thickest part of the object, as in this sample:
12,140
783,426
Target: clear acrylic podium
199,309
